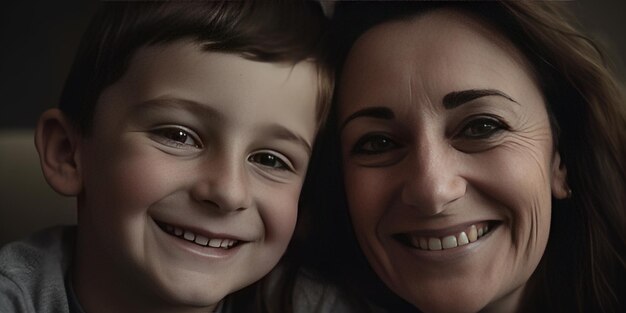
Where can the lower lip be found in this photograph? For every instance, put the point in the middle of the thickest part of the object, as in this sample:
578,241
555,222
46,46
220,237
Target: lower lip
448,255
205,252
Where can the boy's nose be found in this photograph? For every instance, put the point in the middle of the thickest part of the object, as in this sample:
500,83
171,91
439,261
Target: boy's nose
224,185
432,180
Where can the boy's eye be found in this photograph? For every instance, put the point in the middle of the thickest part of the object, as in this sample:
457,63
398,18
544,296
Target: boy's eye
177,136
374,144
269,160
482,128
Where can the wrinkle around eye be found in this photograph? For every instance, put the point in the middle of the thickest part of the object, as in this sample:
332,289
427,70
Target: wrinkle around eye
378,159
474,145
503,140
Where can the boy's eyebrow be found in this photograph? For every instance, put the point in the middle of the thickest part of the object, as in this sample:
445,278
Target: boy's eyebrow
282,132
177,103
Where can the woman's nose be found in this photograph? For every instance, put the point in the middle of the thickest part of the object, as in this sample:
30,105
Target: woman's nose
432,180
223,184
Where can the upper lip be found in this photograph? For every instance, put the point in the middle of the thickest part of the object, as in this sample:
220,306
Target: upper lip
446,230
203,232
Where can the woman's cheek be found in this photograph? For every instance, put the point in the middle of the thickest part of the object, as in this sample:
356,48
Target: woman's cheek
522,190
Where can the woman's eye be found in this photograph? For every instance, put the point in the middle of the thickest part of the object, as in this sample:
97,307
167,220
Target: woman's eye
269,160
177,136
374,144
482,128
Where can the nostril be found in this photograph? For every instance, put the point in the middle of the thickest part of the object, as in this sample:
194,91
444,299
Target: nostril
222,207
222,194
433,192
212,203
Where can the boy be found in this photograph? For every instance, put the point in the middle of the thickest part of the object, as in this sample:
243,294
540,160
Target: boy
184,130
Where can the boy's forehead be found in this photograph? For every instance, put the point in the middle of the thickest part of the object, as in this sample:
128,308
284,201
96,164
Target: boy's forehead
182,76
186,62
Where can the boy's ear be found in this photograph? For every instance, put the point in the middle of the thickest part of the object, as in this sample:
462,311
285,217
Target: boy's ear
56,140
559,186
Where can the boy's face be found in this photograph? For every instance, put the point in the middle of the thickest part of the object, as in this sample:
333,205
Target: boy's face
193,170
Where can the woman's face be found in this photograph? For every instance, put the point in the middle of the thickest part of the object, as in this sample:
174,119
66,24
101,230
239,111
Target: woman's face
448,161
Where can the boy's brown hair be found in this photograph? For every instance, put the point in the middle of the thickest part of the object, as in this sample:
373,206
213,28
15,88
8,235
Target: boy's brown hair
267,31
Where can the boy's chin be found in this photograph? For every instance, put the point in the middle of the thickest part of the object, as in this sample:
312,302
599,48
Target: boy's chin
196,290
193,292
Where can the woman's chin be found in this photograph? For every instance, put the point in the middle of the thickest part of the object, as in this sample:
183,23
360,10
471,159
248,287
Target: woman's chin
448,301
459,298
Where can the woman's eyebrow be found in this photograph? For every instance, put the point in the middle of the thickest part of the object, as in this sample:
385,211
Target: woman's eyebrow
372,112
457,98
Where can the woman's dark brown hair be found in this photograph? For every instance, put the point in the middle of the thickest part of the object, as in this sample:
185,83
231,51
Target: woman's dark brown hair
584,265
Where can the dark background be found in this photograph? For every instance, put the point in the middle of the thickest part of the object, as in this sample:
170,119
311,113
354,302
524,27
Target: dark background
38,40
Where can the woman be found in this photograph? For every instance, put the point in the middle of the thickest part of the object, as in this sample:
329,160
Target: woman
483,149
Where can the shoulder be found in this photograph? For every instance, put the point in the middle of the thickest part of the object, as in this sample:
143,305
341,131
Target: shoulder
314,294
289,288
32,271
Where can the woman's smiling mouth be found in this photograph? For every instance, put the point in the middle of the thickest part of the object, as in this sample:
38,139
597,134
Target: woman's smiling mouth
449,240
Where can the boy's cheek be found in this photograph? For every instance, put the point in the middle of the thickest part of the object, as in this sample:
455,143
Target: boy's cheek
279,206
127,179
279,216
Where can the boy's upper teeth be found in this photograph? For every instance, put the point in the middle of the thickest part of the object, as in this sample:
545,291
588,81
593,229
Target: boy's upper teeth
190,236
470,234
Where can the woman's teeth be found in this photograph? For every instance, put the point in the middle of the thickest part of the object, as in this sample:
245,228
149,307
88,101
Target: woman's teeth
470,234
198,239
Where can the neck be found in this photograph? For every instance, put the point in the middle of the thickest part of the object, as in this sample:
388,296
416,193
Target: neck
509,303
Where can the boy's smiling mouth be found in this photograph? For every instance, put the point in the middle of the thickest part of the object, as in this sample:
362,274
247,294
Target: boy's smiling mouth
198,239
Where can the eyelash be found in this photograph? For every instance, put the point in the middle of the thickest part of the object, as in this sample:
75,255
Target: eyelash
492,124
283,165
164,135
168,135
370,139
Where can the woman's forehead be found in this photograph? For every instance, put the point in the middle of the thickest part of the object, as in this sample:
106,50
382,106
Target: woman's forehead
429,34
430,56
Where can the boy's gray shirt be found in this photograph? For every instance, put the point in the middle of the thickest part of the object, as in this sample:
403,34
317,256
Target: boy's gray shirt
33,276
33,272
